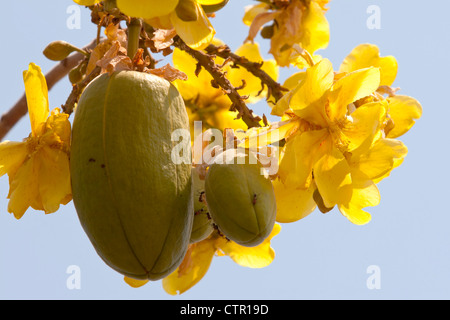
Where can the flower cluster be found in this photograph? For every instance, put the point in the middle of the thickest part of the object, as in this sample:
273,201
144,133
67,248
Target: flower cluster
343,135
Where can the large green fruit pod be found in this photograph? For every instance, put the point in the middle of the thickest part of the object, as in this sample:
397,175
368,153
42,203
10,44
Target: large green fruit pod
134,203
241,202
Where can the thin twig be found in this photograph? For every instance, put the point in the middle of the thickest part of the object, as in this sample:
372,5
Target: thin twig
274,88
77,90
58,72
207,62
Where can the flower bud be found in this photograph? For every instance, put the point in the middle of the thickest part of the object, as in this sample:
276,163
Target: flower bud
59,50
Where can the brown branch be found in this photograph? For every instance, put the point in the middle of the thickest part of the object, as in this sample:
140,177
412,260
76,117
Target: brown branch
275,89
59,71
207,62
77,89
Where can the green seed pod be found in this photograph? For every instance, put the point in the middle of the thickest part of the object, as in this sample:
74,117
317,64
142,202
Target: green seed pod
134,203
241,202
186,10
214,7
202,227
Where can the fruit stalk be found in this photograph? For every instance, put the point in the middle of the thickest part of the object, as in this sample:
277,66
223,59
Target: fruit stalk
134,33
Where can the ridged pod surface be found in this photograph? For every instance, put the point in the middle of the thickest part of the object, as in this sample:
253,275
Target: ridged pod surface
202,226
133,202
241,202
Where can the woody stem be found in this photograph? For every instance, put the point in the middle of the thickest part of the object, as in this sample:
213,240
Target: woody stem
220,79
134,32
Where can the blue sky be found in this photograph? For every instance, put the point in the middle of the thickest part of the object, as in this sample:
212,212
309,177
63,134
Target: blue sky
319,257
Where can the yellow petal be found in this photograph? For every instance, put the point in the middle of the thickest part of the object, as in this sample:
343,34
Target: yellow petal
301,153
365,124
161,22
293,204
37,97
403,110
190,89
251,11
301,62
308,102
315,29
134,282
351,87
322,4
364,195
193,268
146,8
381,158
264,136
292,84
23,189
12,155
54,177
209,2
197,34
332,177
223,119
368,55
87,2
297,24
259,256
252,84
57,131
282,105
294,80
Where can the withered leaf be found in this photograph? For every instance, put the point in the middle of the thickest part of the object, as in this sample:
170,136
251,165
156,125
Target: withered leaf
163,39
115,59
168,72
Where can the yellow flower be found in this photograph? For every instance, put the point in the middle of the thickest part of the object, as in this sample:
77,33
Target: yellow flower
336,152
402,110
342,141
328,140
38,167
210,105
199,257
298,22
187,17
